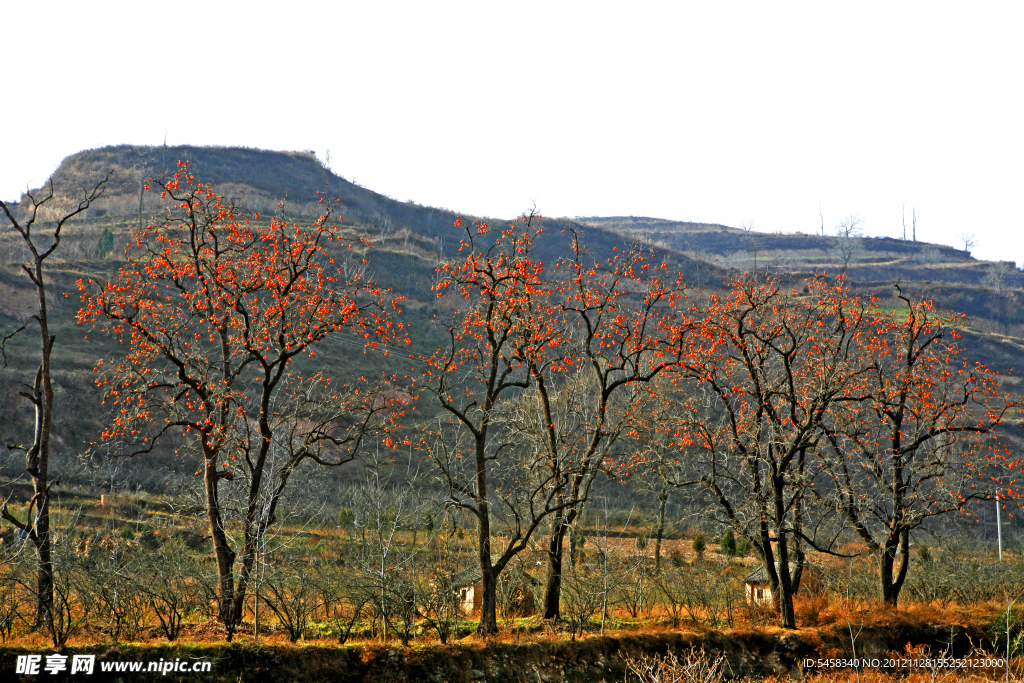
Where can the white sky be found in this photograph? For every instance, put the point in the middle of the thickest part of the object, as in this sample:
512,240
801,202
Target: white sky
719,112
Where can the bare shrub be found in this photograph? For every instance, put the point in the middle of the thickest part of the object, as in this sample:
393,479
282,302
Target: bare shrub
382,568
440,600
289,590
74,599
584,591
672,591
855,579
343,595
114,572
695,667
440,584
956,575
809,609
976,583
15,596
760,615
173,588
929,256
702,591
516,592
397,603
635,594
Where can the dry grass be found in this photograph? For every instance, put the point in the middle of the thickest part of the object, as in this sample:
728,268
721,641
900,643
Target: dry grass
825,610
878,676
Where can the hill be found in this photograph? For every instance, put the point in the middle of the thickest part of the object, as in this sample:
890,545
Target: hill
405,240
256,180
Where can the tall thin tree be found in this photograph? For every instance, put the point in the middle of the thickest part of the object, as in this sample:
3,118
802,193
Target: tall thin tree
41,239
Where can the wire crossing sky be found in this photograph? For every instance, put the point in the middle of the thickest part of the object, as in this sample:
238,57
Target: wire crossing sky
732,112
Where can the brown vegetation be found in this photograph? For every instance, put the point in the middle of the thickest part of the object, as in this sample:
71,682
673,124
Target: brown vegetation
379,557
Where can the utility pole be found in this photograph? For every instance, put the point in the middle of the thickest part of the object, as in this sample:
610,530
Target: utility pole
999,527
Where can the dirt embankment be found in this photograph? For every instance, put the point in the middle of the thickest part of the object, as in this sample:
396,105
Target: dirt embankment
749,653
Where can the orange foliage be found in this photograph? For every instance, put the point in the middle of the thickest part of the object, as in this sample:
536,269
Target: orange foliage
214,306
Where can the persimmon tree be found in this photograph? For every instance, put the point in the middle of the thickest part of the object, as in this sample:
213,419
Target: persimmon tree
491,343
624,328
919,445
215,307
763,369
41,239
535,382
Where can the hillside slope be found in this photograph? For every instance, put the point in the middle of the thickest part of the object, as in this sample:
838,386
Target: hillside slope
404,243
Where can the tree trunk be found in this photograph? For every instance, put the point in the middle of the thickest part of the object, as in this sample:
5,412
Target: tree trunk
37,526
244,574
885,574
489,579
898,540
222,551
488,625
254,529
777,566
489,604
798,527
659,533
901,576
44,577
39,459
553,591
784,585
891,576
786,612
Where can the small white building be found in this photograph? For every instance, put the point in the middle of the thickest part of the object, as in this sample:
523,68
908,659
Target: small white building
469,589
757,587
471,598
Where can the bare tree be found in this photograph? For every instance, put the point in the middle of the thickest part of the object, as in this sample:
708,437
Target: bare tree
74,600
663,465
849,227
114,573
1002,277
17,595
969,239
41,245
848,235
384,569
385,226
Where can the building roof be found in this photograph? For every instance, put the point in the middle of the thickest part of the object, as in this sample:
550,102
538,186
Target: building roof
467,577
759,575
